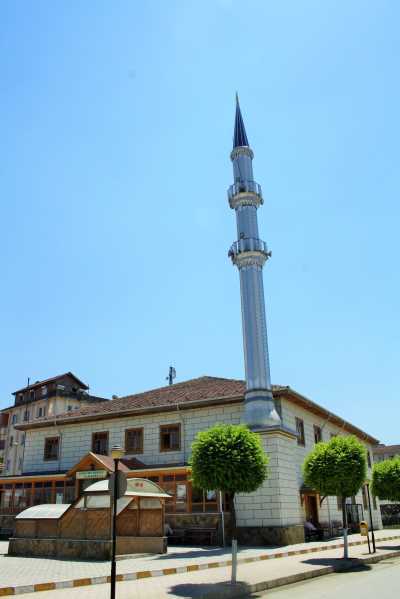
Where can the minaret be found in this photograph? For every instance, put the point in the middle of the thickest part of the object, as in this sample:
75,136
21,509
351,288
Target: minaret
249,254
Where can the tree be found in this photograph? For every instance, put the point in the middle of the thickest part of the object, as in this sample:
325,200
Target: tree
338,467
386,479
228,458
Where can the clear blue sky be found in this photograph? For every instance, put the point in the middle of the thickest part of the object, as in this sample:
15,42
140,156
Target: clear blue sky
116,129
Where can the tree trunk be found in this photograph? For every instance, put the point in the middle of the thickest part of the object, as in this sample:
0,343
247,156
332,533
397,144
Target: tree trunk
233,516
345,540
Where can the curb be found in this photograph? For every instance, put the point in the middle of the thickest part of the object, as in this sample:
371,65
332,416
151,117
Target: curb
88,581
243,590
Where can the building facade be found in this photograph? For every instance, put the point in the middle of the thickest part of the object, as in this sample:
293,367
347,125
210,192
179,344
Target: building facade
35,402
3,437
386,452
157,429
390,510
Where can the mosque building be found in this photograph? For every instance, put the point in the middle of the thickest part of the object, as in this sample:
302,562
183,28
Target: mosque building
65,453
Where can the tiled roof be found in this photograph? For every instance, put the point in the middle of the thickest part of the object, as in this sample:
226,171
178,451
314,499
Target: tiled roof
51,380
205,387
383,449
108,462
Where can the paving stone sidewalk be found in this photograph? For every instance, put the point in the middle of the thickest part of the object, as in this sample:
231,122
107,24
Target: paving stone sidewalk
213,584
17,571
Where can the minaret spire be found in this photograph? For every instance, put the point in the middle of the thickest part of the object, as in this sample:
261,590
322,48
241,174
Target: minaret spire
239,136
249,254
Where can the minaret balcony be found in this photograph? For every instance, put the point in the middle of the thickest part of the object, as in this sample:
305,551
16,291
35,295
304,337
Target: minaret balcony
245,193
249,245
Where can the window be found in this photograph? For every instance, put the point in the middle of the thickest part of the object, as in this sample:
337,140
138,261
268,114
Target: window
51,445
69,409
21,397
11,441
134,440
369,459
44,391
317,433
170,437
15,419
2,444
40,412
300,432
100,443
32,395
26,416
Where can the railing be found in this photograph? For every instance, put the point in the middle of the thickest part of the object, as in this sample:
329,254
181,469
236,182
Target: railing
244,187
248,244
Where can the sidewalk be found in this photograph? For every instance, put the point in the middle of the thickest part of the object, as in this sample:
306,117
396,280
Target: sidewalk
258,576
21,574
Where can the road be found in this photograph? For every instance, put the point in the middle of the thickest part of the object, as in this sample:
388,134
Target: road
382,581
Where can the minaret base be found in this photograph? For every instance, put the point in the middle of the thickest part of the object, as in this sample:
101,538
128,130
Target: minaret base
273,515
259,410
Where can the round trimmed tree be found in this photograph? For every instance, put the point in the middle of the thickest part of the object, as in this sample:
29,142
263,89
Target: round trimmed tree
338,467
228,458
386,479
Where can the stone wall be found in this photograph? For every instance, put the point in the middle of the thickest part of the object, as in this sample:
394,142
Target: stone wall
84,549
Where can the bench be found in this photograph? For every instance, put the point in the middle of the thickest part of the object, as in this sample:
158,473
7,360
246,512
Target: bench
177,536
313,535
200,533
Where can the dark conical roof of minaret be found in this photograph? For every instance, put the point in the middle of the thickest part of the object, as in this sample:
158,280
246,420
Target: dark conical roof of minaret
239,137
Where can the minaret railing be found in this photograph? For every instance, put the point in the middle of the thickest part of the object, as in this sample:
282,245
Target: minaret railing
248,244
244,187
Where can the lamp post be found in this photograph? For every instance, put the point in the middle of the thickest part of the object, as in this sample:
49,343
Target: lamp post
370,517
116,453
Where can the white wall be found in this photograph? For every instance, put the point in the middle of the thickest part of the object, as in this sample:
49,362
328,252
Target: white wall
14,454
276,503
328,511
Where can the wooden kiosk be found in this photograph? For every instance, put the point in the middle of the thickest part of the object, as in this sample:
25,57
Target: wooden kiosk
83,529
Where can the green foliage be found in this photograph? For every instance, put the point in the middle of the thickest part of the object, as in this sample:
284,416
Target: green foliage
228,458
338,467
386,479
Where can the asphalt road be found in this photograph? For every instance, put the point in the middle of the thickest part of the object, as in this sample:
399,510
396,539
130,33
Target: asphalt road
380,581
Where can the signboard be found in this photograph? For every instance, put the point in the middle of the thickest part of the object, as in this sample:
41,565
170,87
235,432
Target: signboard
91,474
121,484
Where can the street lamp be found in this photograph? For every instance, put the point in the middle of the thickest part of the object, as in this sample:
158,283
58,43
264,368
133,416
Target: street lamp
116,453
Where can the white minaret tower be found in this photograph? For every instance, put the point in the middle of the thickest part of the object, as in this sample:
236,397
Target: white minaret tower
249,254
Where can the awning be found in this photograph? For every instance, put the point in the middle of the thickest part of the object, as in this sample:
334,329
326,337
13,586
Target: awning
47,511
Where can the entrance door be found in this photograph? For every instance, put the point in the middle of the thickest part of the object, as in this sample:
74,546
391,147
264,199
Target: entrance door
311,507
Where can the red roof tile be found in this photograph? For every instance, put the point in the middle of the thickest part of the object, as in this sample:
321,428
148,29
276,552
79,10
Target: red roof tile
205,387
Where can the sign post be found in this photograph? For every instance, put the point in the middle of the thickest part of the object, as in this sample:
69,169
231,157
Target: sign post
117,486
370,517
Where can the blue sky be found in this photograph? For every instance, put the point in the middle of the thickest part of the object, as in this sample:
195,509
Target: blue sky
116,131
